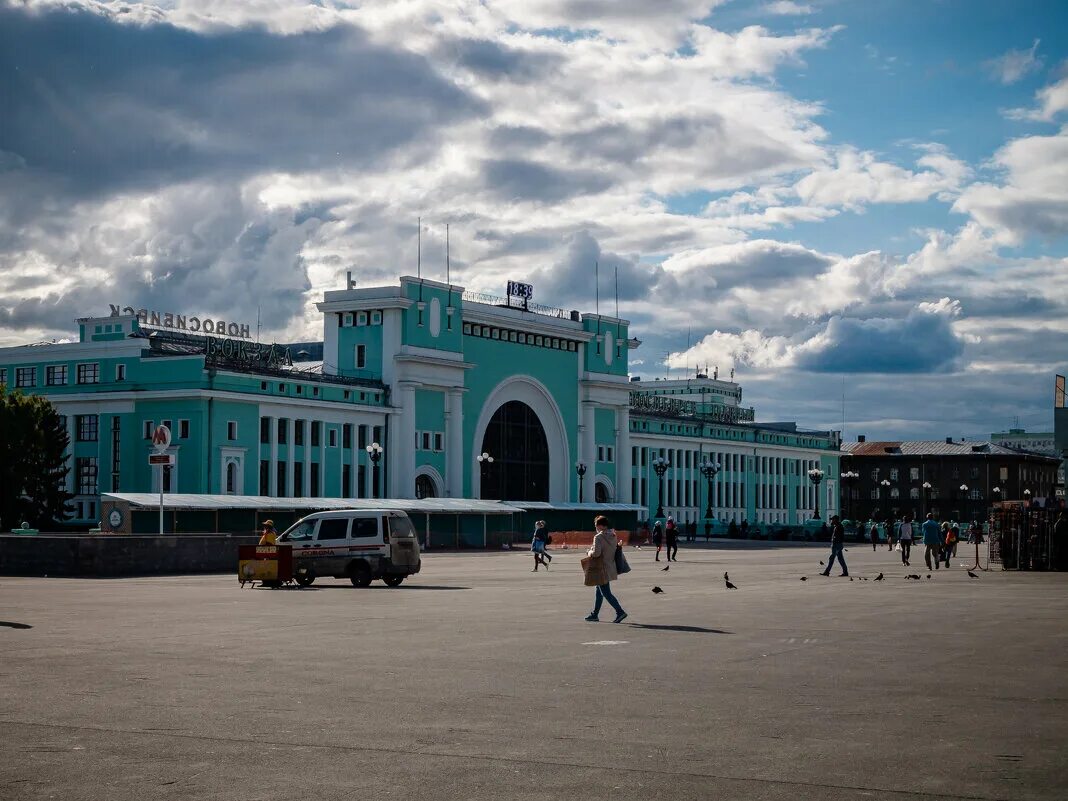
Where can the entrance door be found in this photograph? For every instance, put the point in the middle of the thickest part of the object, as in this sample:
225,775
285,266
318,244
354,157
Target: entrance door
520,468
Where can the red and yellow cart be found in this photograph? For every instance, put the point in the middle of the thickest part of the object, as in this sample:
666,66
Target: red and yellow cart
271,565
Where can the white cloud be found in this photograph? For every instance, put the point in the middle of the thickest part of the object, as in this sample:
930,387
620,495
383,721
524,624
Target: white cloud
1050,100
1013,65
787,8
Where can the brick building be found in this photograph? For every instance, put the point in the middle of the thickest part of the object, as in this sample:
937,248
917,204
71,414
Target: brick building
955,479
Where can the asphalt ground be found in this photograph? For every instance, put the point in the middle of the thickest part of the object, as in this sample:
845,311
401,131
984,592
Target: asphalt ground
480,680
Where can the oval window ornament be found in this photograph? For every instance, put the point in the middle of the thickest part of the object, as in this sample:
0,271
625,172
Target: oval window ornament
435,317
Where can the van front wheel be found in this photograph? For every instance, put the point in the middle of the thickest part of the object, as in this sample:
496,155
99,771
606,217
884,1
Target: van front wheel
304,578
393,581
360,575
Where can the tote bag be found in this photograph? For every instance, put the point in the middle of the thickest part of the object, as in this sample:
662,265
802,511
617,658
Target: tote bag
621,561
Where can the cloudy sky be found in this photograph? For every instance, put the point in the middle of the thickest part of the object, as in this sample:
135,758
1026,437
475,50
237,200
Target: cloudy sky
838,199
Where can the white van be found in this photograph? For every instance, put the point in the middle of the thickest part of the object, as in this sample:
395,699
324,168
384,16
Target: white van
360,545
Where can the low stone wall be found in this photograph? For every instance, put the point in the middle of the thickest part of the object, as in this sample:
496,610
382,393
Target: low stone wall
119,555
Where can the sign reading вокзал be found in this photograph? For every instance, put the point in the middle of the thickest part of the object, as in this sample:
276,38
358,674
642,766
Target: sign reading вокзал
181,322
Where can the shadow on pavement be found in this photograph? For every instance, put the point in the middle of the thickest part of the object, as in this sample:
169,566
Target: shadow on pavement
664,627
15,625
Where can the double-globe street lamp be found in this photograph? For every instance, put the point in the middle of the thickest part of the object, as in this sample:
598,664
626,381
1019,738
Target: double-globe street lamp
374,452
709,469
815,475
885,484
849,478
660,466
484,461
926,486
580,468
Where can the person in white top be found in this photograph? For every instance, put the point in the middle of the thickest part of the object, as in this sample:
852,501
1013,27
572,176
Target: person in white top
905,539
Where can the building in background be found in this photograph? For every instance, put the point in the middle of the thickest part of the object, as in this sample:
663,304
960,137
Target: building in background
954,479
1060,428
1043,443
467,395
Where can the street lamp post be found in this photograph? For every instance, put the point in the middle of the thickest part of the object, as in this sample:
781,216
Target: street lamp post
963,499
709,469
1027,496
374,452
815,475
926,494
885,484
580,468
484,461
849,478
660,466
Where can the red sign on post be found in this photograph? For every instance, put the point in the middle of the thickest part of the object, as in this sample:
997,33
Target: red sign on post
166,459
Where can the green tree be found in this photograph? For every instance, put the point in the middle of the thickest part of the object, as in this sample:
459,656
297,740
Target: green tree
33,463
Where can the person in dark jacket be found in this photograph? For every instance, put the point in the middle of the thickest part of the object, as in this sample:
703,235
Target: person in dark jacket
671,533
837,546
658,538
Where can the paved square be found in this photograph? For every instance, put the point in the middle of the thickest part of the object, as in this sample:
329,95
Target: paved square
480,680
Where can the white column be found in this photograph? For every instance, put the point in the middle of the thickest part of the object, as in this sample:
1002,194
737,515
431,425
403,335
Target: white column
454,444
272,470
589,450
623,466
402,445
291,456
306,439
323,436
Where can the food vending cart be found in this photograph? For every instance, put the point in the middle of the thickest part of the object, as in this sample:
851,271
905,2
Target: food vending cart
271,565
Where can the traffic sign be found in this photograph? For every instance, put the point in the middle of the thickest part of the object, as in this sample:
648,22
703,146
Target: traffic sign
166,459
161,439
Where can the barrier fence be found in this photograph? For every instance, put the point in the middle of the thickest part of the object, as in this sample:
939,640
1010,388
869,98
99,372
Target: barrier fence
1022,538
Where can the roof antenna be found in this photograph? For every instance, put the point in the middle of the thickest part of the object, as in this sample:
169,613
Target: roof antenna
597,300
619,349
419,249
257,322
448,268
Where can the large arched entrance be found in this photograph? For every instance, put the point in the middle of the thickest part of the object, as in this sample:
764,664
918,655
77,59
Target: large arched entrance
516,440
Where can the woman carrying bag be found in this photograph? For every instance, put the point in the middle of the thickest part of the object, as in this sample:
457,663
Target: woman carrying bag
600,569
538,546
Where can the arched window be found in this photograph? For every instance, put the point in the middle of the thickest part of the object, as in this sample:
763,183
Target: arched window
231,478
520,468
600,492
424,487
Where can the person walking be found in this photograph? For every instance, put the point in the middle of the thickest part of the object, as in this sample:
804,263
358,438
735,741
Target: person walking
837,546
269,535
932,540
874,534
891,535
539,545
600,569
658,538
672,537
952,537
904,538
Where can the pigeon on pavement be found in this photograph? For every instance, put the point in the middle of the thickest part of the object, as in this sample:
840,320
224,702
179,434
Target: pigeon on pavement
729,585
667,568
879,577
970,573
657,590
804,578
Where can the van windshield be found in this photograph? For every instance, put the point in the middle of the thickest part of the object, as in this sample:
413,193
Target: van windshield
301,530
401,527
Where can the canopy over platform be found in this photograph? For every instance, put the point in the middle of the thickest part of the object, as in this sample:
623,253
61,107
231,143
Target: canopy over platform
265,503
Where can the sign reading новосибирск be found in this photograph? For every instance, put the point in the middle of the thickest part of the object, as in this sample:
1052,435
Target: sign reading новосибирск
181,322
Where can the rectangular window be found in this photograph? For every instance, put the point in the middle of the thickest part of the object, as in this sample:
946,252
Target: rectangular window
280,483
600,453
298,480
86,467
167,424
439,441
467,328
361,318
361,356
522,338
914,473
333,437
87,426
56,376
116,453
875,474
89,373
361,481
346,481
265,430
25,377
265,477
609,454
3,376
333,529
120,372
314,480
346,436
282,430
149,427
298,432
426,440
183,429
893,474
316,435
346,320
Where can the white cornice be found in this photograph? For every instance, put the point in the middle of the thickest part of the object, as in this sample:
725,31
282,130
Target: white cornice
436,284
363,304
527,322
204,394
72,351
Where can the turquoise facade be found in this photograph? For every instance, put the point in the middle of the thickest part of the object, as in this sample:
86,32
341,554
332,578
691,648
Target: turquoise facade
435,376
